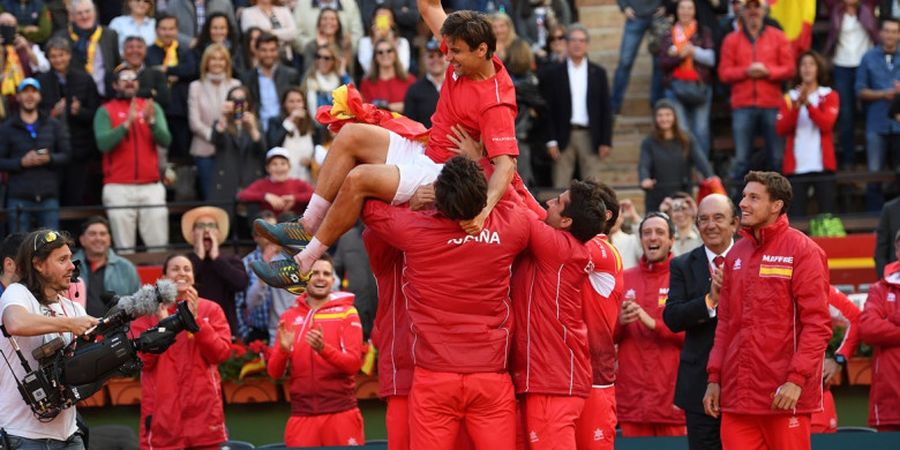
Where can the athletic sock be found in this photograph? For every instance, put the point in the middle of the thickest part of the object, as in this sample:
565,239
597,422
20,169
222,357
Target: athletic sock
313,251
315,213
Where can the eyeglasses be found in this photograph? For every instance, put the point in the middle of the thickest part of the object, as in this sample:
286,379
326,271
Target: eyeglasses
324,58
45,238
206,226
130,76
385,52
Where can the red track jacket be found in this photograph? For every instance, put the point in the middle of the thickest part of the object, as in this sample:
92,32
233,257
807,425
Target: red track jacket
648,359
602,297
738,52
879,326
322,383
774,323
823,115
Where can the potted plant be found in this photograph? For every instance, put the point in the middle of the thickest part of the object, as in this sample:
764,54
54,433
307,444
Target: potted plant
244,376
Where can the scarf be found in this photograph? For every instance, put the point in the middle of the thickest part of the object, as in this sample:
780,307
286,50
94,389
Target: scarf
13,74
85,44
171,58
681,37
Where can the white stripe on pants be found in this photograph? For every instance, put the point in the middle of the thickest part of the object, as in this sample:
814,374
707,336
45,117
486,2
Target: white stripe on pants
152,222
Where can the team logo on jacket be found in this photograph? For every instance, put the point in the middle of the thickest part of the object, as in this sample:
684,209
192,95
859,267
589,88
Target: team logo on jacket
891,297
737,264
485,237
793,422
777,267
663,296
598,434
298,320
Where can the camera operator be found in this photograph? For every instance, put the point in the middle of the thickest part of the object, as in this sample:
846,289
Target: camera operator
34,311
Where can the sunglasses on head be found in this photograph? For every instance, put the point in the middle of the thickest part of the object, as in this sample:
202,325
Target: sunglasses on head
44,238
386,51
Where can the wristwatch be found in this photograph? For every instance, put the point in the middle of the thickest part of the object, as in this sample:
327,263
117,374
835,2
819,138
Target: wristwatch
840,359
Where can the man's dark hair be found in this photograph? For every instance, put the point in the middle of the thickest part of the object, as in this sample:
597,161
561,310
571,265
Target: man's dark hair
460,191
327,258
165,16
777,186
471,27
660,215
888,19
587,210
38,245
10,247
93,220
611,202
265,38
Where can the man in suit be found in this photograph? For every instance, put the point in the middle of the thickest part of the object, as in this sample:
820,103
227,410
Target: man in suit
95,48
577,95
888,226
692,308
268,82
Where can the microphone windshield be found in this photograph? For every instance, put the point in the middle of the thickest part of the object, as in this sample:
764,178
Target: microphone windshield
168,291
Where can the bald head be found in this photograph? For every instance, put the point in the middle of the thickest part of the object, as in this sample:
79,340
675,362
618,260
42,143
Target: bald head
8,19
717,222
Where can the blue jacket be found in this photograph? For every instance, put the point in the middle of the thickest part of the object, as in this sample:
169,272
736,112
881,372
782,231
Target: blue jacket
874,73
120,277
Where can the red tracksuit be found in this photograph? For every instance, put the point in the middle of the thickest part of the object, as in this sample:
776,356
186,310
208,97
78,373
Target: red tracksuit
181,392
459,307
551,362
773,328
879,326
323,388
601,297
648,359
825,421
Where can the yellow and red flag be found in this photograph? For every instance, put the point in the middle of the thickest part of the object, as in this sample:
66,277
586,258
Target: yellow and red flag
796,18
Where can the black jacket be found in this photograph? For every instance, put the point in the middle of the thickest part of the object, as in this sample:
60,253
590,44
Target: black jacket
554,85
888,225
153,84
285,77
80,127
689,282
33,183
421,101
186,71
109,49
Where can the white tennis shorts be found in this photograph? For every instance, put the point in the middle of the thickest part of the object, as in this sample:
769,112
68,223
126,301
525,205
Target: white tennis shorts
416,169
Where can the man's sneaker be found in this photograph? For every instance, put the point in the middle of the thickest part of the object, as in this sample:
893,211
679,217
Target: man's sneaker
283,274
289,235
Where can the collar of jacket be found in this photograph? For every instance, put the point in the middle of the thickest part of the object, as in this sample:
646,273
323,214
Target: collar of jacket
655,267
767,232
891,275
19,123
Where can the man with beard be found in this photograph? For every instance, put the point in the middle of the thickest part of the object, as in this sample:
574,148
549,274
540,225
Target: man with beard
32,149
648,349
128,130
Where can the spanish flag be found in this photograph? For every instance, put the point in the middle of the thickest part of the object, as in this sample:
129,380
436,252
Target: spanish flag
796,18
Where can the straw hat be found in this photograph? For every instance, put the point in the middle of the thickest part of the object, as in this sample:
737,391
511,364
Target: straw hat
218,214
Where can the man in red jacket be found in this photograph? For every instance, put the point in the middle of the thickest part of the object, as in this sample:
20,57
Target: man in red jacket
879,326
648,349
321,337
826,420
595,429
551,362
756,60
773,326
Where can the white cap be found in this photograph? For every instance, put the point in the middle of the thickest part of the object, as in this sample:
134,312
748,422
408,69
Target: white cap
277,151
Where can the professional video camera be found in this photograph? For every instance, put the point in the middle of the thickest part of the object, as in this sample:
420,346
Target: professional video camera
73,372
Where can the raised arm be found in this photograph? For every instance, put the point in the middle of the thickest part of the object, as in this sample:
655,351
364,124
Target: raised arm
433,14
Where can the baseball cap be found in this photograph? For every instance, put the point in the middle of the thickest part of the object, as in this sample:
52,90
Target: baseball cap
433,45
29,82
277,151
758,2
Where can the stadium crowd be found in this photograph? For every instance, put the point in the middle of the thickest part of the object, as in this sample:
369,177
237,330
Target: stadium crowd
497,322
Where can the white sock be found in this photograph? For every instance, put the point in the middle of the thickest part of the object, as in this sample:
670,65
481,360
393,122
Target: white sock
313,251
315,213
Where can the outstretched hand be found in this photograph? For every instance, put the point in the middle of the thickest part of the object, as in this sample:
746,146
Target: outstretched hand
465,144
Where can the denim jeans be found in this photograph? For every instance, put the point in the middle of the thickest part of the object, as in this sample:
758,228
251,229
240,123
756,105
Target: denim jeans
844,81
747,124
20,443
46,218
635,29
878,146
694,119
206,166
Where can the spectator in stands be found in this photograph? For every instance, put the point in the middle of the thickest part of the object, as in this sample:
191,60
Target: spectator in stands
325,75
153,83
168,57
532,109
687,57
33,17
219,276
329,31
21,59
628,245
682,209
325,352
383,28
580,125
853,29
278,192
104,272
668,158
888,225
293,131
181,397
270,79
879,327
59,14
270,17
556,49
639,16
877,82
128,130
306,15
205,99
644,393
755,61
138,20
536,20
70,96
386,84
9,248
248,50
422,97
504,31
240,148
218,30
192,16
33,147
94,47
807,118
